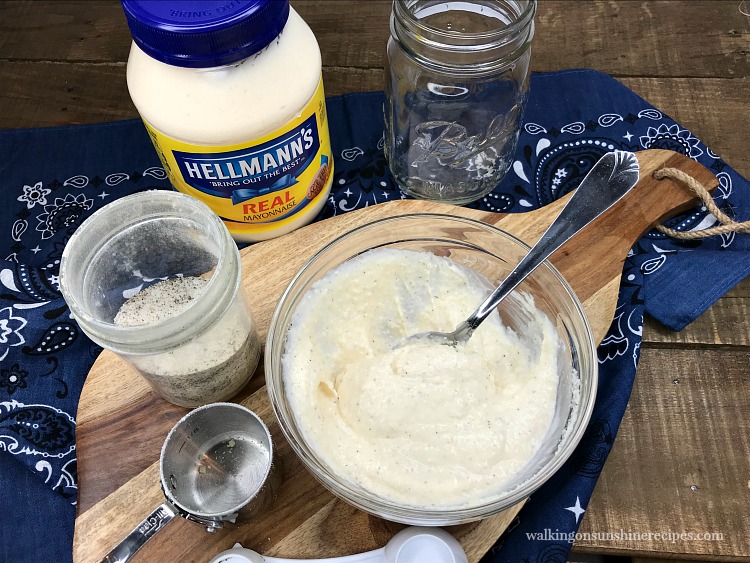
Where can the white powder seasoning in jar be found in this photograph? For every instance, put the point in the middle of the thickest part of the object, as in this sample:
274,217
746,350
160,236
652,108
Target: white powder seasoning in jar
212,368
231,94
156,278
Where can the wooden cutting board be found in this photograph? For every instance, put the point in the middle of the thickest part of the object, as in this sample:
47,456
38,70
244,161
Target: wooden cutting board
122,424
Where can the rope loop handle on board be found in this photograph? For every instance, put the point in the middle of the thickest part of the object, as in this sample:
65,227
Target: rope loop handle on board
728,225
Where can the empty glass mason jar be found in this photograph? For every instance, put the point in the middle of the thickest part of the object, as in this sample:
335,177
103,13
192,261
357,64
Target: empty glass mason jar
456,87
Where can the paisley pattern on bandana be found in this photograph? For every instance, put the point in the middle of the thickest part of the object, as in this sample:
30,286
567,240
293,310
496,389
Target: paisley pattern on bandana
45,356
36,430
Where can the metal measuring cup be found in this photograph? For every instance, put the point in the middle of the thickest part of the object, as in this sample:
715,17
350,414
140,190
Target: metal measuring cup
215,466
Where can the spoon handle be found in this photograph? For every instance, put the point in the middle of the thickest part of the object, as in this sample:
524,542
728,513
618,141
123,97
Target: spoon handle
613,176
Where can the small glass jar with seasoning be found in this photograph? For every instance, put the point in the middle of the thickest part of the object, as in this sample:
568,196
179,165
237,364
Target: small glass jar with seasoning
231,94
156,278
456,86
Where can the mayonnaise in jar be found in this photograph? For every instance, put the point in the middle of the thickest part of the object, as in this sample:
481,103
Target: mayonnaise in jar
231,93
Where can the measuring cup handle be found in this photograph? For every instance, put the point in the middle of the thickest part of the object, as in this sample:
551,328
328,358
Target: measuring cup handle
143,532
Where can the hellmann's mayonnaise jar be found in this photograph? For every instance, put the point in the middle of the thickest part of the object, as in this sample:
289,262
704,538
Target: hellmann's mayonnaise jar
231,93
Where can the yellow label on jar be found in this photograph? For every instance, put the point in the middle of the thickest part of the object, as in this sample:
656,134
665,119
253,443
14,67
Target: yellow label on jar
261,185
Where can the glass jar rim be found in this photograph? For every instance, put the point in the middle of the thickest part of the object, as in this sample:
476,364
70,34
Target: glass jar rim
172,331
402,9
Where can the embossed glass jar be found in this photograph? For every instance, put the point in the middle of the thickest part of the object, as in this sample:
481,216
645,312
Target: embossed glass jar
457,79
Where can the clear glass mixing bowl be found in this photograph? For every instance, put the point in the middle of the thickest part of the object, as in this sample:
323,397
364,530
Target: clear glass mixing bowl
493,253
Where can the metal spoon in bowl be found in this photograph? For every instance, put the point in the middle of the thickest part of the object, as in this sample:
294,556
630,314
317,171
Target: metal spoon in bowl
607,182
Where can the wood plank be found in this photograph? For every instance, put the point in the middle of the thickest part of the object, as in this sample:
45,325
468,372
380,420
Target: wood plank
674,437
39,94
75,30
45,94
700,38
645,38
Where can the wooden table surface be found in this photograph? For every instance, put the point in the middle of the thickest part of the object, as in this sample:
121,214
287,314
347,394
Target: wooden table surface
681,461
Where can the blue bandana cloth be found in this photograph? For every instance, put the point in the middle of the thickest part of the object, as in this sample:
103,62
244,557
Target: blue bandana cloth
53,179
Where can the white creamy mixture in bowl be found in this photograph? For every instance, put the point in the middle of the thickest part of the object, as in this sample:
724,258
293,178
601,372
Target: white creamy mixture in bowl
427,434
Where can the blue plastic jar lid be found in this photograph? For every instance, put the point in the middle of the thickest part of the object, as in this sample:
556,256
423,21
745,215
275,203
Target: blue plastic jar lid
202,34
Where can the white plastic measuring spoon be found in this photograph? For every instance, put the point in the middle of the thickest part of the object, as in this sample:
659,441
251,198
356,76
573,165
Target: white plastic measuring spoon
410,545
